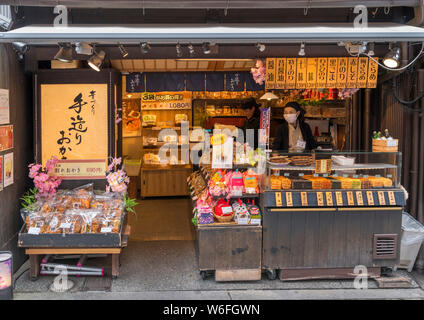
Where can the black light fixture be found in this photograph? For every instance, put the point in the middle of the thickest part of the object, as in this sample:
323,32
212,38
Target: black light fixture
392,58
20,48
83,48
96,60
206,46
145,47
6,274
65,53
124,52
191,50
302,49
179,50
261,47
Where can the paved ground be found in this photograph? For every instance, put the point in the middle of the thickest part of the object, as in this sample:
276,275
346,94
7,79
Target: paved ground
168,270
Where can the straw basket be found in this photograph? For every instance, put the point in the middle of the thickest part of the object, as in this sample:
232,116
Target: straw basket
224,218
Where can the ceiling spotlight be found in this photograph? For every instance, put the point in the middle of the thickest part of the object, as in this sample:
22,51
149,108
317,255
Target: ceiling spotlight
124,53
392,58
261,47
145,47
302,49
65,53
191,50
179,50
83,48
20,48
206,48
96,60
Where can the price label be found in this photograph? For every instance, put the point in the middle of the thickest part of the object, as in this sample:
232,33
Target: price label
359,198
226,210
335,175
370,198
325,175
389,176
350,200
355,176
65,226
287,174
345,176
33,230
106,230
381,198
289,199
304,199
315,174
329,198
392,199
391,143
320,198
339,198
278,200
301,174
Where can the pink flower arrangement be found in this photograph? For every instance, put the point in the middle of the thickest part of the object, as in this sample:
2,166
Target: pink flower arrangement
44,179
258,72
346,93
117,178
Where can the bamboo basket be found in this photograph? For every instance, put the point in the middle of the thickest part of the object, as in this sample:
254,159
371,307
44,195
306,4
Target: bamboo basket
225,218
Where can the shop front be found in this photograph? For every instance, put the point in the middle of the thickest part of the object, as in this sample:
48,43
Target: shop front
301,213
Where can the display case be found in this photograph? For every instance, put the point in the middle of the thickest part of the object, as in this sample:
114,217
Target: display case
325,213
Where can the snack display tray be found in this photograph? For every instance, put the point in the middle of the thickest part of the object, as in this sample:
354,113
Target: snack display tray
359,166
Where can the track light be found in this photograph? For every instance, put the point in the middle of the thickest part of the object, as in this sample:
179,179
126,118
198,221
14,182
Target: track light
145,47
83,48
65,53
124,53
179,50
206,48
20,48
261,47
302,49
96,60
392,58
191,50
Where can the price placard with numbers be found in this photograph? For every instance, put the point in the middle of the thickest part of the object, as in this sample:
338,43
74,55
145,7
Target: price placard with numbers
329,198
370,198
392,199
289,199
381,198
278,200
320,199
339,198
359,198
350,200
304,199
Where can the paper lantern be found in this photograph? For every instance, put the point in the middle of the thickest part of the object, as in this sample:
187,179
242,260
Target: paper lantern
6,288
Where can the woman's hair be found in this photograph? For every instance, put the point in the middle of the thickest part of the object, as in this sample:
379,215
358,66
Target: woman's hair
297,107
250,103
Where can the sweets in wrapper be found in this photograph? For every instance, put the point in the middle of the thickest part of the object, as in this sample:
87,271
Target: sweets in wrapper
275,182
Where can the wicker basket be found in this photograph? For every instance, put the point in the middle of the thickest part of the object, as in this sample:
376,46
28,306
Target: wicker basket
225,218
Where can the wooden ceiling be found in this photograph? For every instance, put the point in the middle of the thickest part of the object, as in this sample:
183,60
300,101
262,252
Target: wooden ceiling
166,65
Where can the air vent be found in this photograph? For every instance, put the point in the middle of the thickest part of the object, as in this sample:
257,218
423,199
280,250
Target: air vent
385,246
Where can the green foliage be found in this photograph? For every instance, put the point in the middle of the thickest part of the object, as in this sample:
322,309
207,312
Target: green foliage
29,199
194,221
129,203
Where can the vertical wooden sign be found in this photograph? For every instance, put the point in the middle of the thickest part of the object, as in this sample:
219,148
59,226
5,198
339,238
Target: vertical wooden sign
392,199
339,198
311,80
322,72
270,73
341,72
320,198
372,73
331,73
289,199
362,72
329,198
370,198
304,199
350,200
352,73
359,198
291,73
278,200
381,198
301,73
280,81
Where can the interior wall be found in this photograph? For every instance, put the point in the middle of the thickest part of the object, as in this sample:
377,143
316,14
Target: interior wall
12,77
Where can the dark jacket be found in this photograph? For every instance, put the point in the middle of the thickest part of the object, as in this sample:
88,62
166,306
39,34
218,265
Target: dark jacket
253,123
281,141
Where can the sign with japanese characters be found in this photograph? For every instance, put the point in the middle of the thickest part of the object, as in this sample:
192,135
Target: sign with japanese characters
74,121
166,100
321,72
81,169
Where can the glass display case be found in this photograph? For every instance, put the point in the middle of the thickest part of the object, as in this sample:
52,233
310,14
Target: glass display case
332,170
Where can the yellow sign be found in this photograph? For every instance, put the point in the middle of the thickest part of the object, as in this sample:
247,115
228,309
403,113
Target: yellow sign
381,198
74,121
301,73
291,73
280,82
218,139
166,100
339,198
270,73
359,198
362,72
311,80
342,67
372,73
352,73
289,199
81,169
331,73
320,198
370,198
392,199
304,199
278,200
350,201
322,72
329,198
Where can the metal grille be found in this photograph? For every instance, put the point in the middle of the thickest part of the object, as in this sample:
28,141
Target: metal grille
385,246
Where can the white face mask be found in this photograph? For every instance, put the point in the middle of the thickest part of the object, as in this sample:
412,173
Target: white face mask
290,118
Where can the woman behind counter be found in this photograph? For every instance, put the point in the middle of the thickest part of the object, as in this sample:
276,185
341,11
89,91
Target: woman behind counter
294,135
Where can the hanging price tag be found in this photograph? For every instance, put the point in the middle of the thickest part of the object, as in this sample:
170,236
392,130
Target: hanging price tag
329,198
350,200
33,230
304,199
392,199
278,200
381,199
370,198
320,199
339,198
359,199
289,199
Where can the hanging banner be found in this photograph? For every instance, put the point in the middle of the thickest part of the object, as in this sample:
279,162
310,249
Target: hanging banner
280,82
352,73
372,73
291,73
322,72
270,73
301,73
342,64
135,82
234,81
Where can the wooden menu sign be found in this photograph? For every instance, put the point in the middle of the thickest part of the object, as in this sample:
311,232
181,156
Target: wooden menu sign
323,72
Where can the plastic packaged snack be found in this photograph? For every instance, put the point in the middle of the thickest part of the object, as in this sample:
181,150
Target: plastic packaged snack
251,183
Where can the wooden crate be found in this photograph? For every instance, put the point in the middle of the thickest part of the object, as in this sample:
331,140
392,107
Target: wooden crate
385,145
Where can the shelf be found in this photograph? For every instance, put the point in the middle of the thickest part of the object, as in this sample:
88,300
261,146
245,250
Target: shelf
167,167
245,196
227,224
360,166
